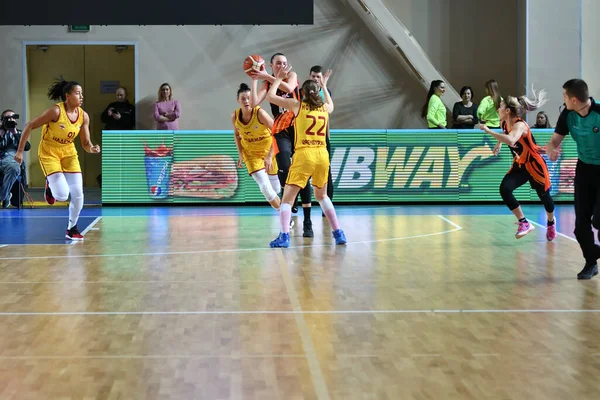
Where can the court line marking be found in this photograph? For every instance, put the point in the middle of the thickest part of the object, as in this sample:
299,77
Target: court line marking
557,232
304,312
86,230
268,211
457,228
204,356
314,366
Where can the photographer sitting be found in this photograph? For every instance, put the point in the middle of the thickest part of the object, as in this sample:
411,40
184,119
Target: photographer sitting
9,142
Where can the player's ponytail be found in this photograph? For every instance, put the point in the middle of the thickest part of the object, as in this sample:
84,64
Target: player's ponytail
243,88
523,104
60,88
310,91
538,100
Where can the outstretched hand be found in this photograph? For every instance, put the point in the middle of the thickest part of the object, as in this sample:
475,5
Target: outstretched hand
283,72
326,78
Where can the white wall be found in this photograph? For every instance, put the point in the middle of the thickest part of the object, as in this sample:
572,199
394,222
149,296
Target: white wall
554,49
203,64
591,55
469,41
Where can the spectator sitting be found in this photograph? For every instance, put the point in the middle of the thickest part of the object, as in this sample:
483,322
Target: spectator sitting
9,142
542,121
166,110
464,113
119,115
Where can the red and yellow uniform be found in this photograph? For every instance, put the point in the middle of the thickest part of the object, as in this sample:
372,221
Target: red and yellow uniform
256,141
57,152
310,155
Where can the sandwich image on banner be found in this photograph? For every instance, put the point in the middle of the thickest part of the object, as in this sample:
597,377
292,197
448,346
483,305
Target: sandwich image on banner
210,177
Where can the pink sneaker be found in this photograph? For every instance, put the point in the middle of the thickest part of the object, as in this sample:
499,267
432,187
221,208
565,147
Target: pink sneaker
551,232
524,229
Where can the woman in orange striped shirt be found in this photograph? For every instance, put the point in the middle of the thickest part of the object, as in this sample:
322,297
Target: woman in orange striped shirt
528,164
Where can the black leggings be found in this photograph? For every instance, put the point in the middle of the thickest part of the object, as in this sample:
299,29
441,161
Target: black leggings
517,177
285,141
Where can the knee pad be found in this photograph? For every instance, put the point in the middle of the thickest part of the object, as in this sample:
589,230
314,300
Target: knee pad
275,184
264,184
325,204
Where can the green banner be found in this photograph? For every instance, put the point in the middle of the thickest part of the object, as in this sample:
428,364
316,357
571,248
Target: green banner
366,166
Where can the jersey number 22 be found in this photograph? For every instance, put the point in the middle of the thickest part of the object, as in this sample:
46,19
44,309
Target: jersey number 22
314,119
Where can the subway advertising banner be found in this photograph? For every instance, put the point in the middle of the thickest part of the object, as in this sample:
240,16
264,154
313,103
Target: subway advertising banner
398,166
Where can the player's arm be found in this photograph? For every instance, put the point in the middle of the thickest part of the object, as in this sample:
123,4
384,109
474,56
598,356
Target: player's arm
50,115
84,134
288,86
257,95
328,99
236,137
287,103
265,119
561,130
513,137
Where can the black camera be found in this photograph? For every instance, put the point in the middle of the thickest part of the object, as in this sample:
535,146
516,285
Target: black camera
9,121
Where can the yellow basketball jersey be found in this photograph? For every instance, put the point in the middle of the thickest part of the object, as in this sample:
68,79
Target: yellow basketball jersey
311,127
255,136
59,136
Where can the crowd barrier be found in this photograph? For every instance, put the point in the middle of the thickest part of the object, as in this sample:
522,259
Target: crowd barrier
428,166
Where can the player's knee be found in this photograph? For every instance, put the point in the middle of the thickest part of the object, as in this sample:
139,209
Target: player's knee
60,192
267,190
275,184
324,202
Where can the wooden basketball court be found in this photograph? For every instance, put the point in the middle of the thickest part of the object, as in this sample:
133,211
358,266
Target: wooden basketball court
190,303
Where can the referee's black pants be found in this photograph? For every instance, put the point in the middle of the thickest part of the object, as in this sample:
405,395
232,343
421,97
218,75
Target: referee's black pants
587,209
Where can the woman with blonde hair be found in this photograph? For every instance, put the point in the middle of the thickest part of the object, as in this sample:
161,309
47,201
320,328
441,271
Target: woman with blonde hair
528,164
166,110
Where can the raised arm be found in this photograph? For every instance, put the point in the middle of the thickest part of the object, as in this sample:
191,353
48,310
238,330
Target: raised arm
257,95
328,99
287,103
288,86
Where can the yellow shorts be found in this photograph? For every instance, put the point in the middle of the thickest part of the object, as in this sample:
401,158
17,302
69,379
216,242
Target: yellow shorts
307,162
255,164
51,164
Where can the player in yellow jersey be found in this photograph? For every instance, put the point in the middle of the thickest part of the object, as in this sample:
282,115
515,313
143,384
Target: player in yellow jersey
58,157
255,145
310,156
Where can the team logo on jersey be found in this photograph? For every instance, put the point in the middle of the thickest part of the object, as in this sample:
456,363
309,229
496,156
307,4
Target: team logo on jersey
596,129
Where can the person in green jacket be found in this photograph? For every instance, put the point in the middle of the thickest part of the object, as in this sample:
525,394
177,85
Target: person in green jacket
487,112
434,109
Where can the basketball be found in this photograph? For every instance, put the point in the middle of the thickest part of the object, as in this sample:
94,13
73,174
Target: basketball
253,61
